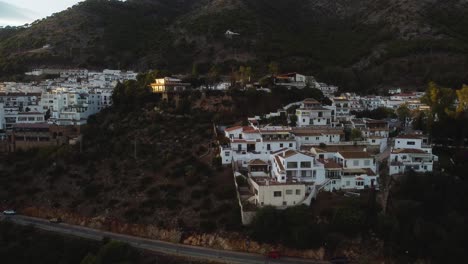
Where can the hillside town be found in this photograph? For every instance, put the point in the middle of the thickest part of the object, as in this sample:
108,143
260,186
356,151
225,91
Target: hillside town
50,111
288,166
285,159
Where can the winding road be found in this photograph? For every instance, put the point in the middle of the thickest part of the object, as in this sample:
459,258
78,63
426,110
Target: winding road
186,251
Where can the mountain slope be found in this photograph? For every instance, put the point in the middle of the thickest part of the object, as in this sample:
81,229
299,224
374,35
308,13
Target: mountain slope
357,44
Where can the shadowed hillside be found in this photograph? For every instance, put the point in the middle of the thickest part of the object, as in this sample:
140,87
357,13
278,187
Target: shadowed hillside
358,45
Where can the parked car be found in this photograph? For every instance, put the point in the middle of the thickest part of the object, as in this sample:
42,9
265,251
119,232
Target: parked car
55,220
9,212
273,254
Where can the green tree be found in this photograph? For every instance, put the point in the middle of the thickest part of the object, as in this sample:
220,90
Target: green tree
266,220
213,74
462,96
356,134
89,259
248,74
194,70
116,252
293,120
440,100
403,113
273,68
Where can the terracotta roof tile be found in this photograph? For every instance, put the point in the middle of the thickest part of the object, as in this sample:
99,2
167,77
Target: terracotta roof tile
355,154
233,128
330,164
257,162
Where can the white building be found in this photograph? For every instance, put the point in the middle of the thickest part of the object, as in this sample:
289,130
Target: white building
168,84
294,166
249,142
317,135
394,90
313,113
359,170
290,80
411,152
267,192
342,106
2,117
74,73
70,107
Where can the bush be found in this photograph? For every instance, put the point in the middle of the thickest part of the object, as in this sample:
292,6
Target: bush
208,226
91,190
196,194
132,215
206,203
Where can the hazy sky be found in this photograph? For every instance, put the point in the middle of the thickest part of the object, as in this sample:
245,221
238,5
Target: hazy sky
18,12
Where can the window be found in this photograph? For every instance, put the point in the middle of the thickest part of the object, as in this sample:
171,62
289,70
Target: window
292,165
281,145
367,163
355,162
373,141
306,138
303,120
289,192
289,173
277,194
359,183
410,143
290,145
317,138
298,192
228,153
285,203
304,173
268,147
306,164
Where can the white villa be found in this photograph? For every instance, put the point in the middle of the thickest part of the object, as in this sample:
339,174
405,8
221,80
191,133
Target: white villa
295,166
313,113
411,152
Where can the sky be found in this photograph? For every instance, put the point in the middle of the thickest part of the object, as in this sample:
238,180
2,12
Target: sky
20,12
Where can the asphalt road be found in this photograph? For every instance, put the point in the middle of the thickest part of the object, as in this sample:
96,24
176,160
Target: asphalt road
155,245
